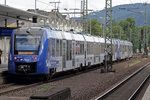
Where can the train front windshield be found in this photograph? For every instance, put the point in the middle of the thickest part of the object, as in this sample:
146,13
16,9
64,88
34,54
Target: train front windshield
26,44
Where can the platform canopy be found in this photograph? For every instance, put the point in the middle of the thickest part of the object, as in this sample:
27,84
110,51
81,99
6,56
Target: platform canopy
10,15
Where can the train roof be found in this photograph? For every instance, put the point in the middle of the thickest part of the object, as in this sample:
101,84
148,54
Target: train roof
79,37
96,39
69,35
29,30
54,34
102,40
88,38
114,41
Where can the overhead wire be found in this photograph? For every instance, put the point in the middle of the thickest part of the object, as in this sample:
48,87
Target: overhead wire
48,4
43,2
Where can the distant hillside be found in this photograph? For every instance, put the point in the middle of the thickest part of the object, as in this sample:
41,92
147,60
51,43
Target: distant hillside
121,14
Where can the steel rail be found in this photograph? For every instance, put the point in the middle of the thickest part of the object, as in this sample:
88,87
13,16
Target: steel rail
51,80
45,82
133,96
110,91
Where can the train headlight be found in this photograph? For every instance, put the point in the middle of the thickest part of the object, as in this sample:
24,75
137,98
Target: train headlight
35,58
15,57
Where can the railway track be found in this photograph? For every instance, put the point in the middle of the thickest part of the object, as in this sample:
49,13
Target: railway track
129,88
12,87
3,77
15,87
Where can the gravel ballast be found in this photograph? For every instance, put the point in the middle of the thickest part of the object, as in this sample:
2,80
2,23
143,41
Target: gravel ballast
88,85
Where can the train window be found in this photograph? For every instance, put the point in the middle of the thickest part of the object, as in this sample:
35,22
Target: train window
120,48
98,46
69,50
91,48
77,48
57,47
27,44
48,48
95,49
124,48
60,47
81,48
99,49
88,48
73,48
53,47
94,46
102,48
116,47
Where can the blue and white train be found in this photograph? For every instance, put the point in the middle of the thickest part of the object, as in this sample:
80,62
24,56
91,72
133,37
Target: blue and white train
43,51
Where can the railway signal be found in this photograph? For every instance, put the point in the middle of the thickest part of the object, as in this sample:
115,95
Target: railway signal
142,34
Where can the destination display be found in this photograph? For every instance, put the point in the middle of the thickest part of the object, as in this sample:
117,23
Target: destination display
6,31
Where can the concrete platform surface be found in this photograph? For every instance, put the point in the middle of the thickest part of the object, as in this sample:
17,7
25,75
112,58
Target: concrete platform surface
147,94
14,98
57,93
3,67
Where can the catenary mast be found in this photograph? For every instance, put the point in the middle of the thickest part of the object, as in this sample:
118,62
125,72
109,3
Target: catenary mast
108,37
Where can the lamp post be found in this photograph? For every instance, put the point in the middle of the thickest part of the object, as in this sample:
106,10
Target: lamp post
55,11
35,5
90,27
5,2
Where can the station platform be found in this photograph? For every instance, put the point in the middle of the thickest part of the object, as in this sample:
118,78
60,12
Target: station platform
147,94
3,67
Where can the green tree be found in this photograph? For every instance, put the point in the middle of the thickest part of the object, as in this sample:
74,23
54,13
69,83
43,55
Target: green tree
96,28
125,25
131,22
114,23
134,32
128,30
116,32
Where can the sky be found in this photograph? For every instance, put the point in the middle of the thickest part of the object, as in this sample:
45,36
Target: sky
68,4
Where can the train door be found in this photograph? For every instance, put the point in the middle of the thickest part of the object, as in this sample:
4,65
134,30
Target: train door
118,50
73,53
85,53
49,53
64,55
